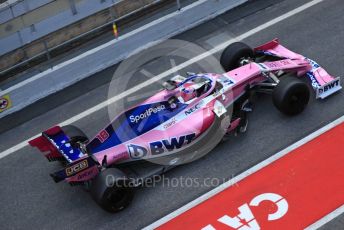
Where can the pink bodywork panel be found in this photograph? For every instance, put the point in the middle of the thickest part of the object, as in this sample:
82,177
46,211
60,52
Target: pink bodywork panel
277,49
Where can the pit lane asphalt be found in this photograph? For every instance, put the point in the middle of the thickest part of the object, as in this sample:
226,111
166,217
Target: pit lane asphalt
29,198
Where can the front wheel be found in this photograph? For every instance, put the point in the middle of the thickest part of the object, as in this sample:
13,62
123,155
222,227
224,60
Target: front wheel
232,56
291,95
111,191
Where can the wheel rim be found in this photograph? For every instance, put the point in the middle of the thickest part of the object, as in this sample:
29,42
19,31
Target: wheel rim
116,198
244,60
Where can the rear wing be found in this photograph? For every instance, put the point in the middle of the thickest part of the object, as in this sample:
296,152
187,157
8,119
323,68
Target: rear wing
322,82
78,171
56,146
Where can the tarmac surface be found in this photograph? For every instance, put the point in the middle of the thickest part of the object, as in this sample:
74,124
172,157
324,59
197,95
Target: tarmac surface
29,197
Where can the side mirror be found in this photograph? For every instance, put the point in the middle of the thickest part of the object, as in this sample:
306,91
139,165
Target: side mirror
169,85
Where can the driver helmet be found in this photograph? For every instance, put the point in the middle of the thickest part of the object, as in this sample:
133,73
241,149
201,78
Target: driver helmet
188,93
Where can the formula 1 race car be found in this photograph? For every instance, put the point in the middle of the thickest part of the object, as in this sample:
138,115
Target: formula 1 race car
184,120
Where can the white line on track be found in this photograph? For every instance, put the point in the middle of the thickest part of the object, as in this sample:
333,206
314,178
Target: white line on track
249,172
170,71
326,218
107,44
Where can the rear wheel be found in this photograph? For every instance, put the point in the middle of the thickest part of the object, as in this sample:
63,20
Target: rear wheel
111,191
233,55
291,95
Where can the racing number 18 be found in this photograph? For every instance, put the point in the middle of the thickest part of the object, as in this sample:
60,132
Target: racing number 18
103,136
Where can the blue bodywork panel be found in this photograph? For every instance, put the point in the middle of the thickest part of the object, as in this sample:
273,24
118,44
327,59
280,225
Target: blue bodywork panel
134,123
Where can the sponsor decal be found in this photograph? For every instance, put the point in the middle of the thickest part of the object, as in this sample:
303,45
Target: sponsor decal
76,168
170,123
277,64
137,151
266,53
5,103
160,147
262,66
315,83
147,113
192,109
246,220
329,86
272,64
226,80
87,174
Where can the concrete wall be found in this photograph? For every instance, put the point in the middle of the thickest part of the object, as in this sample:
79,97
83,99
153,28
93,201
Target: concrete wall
65,33
14,8
106,55
27,21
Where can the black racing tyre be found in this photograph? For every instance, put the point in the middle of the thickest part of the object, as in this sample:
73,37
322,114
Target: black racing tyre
231,56
291,95
74,133
111,191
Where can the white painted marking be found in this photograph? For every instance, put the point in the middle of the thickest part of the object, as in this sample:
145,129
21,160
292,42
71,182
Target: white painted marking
170,71
218,39
326,218
245,174
96,49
